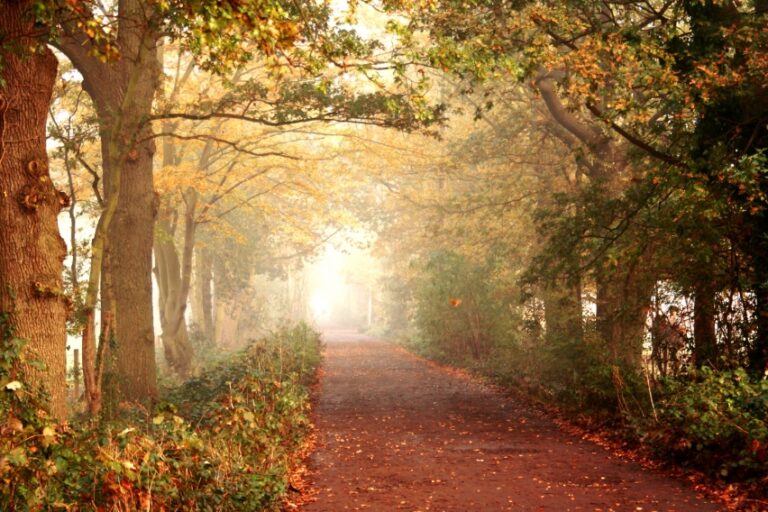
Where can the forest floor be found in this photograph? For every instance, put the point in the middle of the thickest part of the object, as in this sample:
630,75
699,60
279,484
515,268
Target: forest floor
396,432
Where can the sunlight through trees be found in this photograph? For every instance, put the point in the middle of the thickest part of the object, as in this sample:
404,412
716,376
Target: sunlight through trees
569,198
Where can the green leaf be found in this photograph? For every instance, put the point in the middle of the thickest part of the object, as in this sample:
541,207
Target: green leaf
17,457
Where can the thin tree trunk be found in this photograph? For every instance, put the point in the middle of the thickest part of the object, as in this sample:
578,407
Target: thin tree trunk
758,357
195,297
203,293
705,338
31,248
76,374
92,370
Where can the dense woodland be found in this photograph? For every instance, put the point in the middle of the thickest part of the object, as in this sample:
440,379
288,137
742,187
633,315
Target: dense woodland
570,198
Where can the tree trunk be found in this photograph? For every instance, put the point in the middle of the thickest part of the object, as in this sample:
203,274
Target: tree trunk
758,357
623,294
705,338
31,249
205,295
195,299
173,278
130,241
227,324
623,303
562,312
123,91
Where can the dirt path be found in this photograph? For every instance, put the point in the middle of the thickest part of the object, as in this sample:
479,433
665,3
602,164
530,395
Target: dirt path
396,433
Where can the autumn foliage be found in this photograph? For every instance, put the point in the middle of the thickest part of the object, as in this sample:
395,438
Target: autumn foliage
226,440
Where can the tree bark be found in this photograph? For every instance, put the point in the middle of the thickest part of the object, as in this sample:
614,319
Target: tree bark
174,279
204,281
704,335
123,92
623,303
131,239
31,248
758,356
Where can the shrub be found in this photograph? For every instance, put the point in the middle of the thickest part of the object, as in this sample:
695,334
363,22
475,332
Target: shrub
718,421
459,312
223,441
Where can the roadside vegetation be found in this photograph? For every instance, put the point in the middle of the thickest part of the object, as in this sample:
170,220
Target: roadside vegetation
707,419
228,439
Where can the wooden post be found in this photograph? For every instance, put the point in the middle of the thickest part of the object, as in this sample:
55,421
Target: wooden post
76,374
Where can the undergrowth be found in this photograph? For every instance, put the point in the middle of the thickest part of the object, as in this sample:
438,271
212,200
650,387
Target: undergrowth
225,441
715,422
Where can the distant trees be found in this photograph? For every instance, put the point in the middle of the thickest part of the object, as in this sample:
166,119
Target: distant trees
663,109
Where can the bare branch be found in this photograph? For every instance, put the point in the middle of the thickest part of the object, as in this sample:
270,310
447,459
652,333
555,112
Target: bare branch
234,145
331,117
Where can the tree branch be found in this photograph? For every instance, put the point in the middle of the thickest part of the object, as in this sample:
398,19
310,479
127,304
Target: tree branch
588,135
267,122
635,141
219,140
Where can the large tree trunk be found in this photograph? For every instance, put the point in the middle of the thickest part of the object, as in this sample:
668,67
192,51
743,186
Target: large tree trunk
130,239
623,302
31,249
623,294
123,92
